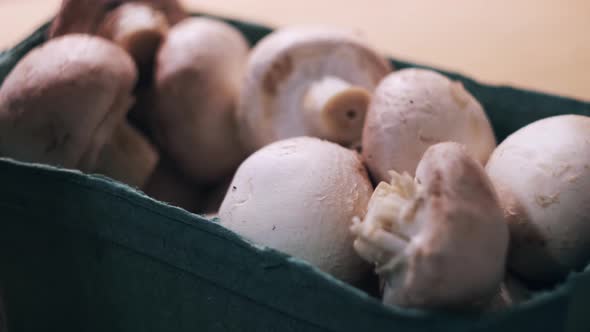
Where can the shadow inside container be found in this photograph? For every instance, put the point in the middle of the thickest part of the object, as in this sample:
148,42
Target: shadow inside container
2,313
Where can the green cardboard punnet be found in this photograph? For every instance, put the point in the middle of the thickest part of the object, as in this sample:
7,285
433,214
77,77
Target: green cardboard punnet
84,253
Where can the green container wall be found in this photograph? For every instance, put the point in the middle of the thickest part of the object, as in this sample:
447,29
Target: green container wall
84,253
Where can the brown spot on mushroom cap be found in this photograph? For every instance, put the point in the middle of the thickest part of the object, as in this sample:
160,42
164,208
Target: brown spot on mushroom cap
546,200
427,139
279,71
461,96
561,170
368,61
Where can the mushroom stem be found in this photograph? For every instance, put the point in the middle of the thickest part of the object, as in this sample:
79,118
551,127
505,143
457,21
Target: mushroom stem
128,157
335,109
138,28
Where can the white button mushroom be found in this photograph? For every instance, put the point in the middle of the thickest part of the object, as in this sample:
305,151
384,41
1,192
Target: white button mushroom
63,101
198,77
299,196
413,109
308,81
542,173
440,241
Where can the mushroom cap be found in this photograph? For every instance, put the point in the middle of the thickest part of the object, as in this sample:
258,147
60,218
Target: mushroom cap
198,77
413,109
542,174
138,28
284,64
173,9
440,241
63,100
299,196
86,16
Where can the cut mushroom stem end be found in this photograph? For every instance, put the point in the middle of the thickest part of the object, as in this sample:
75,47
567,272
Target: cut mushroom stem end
336,109
386,230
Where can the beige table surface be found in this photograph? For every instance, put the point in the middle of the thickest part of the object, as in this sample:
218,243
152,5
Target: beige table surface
538,44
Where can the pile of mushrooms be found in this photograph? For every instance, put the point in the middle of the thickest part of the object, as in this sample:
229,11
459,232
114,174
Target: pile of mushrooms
311,144
135,90
413,109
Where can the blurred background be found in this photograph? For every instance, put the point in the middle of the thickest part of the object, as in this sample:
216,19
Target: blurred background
537,44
